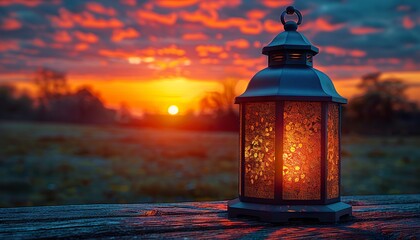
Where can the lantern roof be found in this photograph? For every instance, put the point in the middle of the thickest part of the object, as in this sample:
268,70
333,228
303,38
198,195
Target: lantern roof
294,83
290,75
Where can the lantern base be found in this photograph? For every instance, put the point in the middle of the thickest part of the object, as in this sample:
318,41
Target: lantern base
330,213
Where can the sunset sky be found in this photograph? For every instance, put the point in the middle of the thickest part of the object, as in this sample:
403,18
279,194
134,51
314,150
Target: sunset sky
153,54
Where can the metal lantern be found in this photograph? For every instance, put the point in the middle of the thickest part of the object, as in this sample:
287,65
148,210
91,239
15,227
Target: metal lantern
290,117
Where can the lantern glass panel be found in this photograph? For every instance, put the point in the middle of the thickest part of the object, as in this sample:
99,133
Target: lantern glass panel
241,143
333,155
302,151
259,150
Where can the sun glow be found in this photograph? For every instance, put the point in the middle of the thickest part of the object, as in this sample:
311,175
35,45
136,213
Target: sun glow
134,60
173,110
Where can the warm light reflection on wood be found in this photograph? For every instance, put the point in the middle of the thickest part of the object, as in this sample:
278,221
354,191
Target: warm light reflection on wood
302,151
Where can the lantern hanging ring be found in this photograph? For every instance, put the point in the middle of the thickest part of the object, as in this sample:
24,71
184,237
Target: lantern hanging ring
290,10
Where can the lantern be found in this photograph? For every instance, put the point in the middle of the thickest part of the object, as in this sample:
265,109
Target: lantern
290,120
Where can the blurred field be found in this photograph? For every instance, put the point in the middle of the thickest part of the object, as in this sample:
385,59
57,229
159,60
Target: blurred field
46,164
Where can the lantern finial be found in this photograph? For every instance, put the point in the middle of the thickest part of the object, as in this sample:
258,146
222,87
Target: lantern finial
290,40
291,25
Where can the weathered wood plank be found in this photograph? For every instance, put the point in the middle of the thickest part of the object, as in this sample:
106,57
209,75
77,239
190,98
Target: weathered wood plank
104,210
374,217
381,199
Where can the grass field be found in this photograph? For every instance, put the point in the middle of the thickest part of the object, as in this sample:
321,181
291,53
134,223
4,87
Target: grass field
46,164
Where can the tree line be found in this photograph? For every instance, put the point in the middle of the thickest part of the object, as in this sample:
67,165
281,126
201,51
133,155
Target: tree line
55,102
382,107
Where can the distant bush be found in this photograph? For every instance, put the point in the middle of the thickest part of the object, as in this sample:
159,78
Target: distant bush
15,106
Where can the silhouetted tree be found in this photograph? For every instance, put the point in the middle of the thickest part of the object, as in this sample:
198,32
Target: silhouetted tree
58,103
382,103
221,102
220,105
124,113
381,99
50,83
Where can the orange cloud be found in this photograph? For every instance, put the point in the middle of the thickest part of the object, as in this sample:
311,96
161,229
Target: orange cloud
364,30
171,50
273,26
9,24
223,55
209,61
392,61
337,51
240,71
87,20
204,50
277,3
120,34
38,42
8,45
321,25
210,19
81,46
64,20
86,37
129,2
199,16
31,3
217,4
239,43
114,53
168,64
56,45
175,4
195,36
67,19
249,62
144,54
256,14
251,27
148,16
99,8
357,53
148,51
62,36
408,23
331,70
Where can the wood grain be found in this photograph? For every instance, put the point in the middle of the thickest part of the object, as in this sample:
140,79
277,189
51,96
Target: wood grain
375,217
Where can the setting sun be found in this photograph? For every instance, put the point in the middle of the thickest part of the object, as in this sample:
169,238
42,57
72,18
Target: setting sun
173,110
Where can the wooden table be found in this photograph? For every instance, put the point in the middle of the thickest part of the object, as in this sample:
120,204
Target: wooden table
374,217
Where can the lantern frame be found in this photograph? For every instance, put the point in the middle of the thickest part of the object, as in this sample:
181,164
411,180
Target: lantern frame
290,80
279,130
